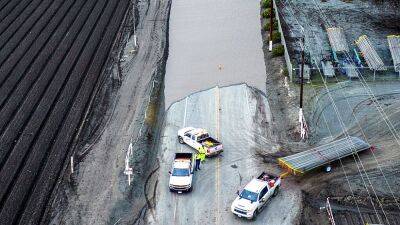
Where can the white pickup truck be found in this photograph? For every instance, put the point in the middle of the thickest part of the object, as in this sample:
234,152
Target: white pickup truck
181,175
196,138
255,195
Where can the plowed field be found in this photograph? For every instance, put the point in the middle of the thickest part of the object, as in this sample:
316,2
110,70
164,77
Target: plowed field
52,53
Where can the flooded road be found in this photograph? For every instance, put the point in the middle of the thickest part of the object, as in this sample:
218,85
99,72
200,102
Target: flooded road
215,185
213,43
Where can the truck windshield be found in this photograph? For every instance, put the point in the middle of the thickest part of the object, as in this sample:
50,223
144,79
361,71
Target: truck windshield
249,195
180,172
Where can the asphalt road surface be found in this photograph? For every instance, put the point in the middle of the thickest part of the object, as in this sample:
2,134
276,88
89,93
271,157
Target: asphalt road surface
234,115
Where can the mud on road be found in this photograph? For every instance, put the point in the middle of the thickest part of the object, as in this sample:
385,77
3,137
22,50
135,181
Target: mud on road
240,117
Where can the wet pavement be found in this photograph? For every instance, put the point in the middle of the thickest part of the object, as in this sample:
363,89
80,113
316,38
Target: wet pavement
213,43
234,115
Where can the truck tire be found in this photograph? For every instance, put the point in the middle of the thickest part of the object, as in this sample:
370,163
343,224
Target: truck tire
255,215
190,189
276,191
180,139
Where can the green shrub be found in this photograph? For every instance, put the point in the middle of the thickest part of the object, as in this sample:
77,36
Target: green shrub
276,37
267,25
285,72
266,3
277,50
266,13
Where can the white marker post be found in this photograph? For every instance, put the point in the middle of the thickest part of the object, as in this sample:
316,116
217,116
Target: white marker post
270,46
128,170
72,164
135,40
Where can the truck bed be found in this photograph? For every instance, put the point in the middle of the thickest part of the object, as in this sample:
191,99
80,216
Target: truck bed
209,142
270,176
183,156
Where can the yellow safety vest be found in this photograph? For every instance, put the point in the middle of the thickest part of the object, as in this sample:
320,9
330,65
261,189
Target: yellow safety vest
202,153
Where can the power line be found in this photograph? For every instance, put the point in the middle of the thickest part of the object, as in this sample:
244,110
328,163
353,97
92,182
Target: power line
358,123
373,155
340,160
342,124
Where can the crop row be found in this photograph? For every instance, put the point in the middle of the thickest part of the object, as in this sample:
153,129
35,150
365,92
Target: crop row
52,55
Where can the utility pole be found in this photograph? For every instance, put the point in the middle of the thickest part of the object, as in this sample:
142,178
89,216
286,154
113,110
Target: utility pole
134,28
302,121
271,25
302,74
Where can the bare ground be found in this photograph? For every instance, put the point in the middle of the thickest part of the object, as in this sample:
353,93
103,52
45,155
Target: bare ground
319,185
137,82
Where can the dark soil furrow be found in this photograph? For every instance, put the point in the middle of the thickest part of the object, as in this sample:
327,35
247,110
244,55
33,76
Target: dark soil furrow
11,12
9,43
29,44
3,4
27,67
59,149
53,57
56,117
14,62
16,26
30,134
50,119
17,120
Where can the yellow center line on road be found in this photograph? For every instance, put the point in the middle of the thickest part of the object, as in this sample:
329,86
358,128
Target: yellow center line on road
217,169
184,119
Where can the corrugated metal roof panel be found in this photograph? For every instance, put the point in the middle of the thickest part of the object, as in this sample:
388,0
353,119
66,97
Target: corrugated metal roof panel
337,39
394,46
369,53
305,161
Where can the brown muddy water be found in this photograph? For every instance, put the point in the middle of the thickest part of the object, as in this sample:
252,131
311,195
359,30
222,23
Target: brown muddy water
213,43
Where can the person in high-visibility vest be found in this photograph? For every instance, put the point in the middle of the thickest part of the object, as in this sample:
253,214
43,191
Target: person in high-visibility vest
198,160
200,157
202,152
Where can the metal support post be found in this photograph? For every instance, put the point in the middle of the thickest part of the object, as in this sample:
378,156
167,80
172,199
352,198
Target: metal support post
302,121
302,74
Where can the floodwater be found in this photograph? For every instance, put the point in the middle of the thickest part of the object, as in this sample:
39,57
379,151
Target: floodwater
213,43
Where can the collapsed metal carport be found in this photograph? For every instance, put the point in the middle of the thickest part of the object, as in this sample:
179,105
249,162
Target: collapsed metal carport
394,46
300,163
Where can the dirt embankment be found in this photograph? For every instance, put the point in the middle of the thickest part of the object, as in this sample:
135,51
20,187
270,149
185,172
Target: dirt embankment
125,111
